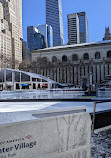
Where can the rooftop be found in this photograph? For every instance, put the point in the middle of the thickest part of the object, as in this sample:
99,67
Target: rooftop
33,75
74,46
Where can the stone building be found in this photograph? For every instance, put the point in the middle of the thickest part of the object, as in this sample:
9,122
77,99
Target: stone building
5,42
76,64
12,13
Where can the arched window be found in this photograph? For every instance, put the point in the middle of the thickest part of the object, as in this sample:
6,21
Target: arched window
86,56
54,59
64,58
44,59
97,55
109,54
74,57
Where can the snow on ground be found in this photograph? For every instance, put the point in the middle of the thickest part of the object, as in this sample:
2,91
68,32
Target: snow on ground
89,105
101,143
29,106
24,106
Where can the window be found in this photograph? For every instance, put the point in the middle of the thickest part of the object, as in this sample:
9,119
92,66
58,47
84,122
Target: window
54,59
64,58
86,56
97,55
44,59
74,57
109,54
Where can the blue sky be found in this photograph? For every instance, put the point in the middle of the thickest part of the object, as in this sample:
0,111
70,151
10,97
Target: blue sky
98,14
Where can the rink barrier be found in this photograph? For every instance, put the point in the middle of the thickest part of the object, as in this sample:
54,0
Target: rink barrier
60,136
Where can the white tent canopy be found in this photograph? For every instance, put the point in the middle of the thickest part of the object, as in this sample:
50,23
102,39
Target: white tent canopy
23,78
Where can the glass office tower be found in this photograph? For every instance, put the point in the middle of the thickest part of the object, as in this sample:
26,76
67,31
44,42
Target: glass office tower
83,27
47,32
34,39
78,28
54,18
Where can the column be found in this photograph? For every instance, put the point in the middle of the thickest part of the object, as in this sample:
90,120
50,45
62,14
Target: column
65,75
75,75
98,74
79,78
71,69
106,69
102,72
109,69
94,74
57,74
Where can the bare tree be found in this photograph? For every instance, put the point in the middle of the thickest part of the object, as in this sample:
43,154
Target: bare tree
6,61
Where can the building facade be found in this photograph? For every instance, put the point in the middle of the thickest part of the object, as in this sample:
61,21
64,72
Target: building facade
5,42
35,40
73,29
76,64
77,28
26,54
12,11
47,32
54,18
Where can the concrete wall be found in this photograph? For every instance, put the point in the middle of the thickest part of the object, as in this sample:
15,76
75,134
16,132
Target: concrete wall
66,136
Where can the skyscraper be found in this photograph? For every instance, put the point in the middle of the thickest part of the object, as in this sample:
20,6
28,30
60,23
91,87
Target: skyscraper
77,28
5,42
54,18
73,29
12,10
47,32
34,39
26,54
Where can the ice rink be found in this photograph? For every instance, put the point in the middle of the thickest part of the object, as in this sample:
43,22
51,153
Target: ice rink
29,106
11,112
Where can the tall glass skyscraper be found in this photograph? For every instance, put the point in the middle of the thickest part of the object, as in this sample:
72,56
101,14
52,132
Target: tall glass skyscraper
54,18
83,27
78,28
34,39
47,32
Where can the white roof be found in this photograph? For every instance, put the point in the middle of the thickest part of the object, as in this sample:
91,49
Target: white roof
33,75
73,45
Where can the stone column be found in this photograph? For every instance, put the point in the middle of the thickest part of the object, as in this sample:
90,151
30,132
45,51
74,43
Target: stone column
71,69
57,74
102,72
109,69
65,75
106,69
98,74
75,75
94,74
79,78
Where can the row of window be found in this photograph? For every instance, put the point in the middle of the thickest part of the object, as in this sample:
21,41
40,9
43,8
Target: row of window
75,57
85,57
